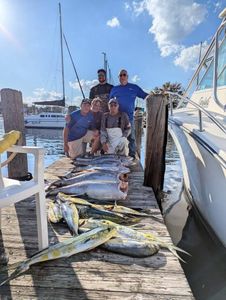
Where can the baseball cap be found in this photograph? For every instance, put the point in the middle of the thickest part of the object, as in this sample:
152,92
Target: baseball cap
113,100
86,100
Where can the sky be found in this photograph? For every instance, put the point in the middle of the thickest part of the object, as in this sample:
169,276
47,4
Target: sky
155,40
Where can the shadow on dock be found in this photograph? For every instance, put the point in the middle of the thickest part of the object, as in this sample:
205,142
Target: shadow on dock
49,280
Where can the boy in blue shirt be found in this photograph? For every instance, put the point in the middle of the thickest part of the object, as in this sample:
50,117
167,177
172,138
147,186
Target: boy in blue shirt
126,94
79,130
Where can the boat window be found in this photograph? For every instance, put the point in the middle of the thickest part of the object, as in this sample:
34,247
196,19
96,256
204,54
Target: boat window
222,64
207,80
42,116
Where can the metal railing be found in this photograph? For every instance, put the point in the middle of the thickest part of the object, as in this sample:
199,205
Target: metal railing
201,111
213,45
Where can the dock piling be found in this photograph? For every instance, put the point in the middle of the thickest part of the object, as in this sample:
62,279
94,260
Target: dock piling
13,115
156,126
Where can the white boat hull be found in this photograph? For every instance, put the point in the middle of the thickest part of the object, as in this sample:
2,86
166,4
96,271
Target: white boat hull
45,120
204,177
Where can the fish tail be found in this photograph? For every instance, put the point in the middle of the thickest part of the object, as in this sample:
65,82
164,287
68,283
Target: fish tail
21,268
174,252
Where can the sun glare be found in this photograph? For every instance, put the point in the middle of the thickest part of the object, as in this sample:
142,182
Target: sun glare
3,12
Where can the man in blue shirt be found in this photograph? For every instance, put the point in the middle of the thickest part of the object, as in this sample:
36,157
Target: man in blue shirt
126,94
80,130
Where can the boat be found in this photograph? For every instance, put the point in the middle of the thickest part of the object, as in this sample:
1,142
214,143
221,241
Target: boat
45,120
50,119
198,128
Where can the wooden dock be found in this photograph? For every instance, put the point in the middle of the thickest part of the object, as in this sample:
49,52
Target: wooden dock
97,274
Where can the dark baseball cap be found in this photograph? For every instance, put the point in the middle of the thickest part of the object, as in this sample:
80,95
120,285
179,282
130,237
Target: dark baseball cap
113,100
86,100
101,71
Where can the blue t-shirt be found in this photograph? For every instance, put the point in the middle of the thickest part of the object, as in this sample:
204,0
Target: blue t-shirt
126,95
79,125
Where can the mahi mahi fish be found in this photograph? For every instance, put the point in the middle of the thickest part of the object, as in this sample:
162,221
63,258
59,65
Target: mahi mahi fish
70,215
54,212
71,246
123,210
129,233
95,190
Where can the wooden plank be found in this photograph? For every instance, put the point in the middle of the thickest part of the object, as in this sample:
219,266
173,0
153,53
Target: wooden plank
96,274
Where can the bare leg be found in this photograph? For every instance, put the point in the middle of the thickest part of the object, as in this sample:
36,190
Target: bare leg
95,144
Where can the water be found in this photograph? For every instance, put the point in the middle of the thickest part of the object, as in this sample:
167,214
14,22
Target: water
206,268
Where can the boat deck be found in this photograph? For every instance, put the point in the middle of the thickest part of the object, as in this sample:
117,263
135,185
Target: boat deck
97,274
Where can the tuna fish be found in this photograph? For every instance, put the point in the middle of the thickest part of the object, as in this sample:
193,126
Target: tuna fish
97,190
90,176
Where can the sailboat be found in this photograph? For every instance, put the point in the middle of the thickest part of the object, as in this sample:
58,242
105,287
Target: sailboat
50,119
198,129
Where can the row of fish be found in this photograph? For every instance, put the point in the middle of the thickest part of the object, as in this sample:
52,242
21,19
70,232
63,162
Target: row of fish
129,241
100,178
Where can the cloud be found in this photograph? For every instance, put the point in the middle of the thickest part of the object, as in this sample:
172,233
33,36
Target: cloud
127,6
135,78
188,57
114,22
86,84
172,21
40,94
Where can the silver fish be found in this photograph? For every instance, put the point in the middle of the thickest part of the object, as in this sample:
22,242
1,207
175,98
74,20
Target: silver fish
106,167
90,176
95,190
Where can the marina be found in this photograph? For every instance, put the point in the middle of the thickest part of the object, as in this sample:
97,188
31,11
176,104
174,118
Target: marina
114,197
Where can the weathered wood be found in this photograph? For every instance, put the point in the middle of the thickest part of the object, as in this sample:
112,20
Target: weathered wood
138,122
12,110
97,274
157,121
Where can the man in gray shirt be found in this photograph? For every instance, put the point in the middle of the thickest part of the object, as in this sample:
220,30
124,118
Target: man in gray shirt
115,128
101,90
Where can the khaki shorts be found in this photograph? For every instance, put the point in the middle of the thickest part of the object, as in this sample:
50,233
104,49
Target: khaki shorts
76,147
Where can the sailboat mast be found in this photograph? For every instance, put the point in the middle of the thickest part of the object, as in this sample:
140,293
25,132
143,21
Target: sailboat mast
62,53
105,63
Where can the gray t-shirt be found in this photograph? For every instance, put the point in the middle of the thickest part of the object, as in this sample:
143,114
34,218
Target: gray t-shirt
102,91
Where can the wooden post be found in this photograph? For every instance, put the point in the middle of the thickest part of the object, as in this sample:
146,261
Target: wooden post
12,110
157,122
138,122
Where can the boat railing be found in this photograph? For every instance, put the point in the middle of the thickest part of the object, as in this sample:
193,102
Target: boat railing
200,109
214,46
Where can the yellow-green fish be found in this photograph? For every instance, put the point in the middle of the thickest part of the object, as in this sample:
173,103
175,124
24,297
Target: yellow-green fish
71,246
54,212
129,233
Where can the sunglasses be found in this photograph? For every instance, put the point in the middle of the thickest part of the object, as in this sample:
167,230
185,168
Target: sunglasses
101,75
124,74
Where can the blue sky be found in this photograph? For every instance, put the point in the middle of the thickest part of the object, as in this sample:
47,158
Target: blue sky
155,40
